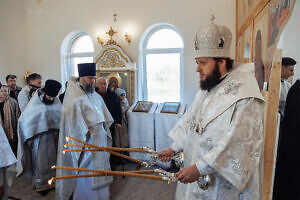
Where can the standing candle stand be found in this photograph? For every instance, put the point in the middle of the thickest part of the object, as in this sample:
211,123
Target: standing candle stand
120,144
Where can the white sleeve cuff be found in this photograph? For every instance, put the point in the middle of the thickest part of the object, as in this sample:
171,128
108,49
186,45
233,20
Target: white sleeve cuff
204,168
175,147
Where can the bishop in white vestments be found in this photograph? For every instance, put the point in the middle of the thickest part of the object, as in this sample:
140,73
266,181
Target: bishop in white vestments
38,129
84,117
221,135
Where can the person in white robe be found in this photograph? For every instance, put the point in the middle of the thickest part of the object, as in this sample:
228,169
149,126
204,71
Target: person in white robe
221,135
287,70
85,117
38,130
7,159
34,81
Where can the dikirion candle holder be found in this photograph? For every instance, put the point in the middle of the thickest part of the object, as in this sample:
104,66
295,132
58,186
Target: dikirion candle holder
161,174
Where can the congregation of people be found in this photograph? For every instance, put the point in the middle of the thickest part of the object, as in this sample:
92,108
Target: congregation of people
32,118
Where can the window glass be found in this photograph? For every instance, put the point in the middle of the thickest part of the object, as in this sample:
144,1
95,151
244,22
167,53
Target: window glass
165,38
83,44
163,77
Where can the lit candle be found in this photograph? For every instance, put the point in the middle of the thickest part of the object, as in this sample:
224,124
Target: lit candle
50,181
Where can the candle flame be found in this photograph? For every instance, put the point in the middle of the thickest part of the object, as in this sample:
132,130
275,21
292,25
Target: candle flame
53,167
50,181
65,146
67,139
145,164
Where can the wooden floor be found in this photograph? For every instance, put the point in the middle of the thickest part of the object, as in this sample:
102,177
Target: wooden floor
121,189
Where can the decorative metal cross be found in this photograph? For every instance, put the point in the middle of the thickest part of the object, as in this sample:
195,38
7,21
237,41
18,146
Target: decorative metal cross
212,19
111,33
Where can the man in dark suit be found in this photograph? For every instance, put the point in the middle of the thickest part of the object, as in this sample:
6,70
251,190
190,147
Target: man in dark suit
11,82
113,103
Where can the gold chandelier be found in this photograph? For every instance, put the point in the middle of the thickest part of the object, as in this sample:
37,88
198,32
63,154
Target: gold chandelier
111,32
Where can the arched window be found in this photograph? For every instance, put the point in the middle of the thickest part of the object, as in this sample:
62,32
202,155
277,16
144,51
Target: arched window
77,48
161,61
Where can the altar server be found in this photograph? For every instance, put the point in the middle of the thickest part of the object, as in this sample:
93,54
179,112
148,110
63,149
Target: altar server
38,129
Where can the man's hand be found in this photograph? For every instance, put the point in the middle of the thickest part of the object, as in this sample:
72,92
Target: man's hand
29,143
166,154
188,175
118,126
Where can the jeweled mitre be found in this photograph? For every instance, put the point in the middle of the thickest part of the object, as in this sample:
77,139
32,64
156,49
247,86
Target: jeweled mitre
213,41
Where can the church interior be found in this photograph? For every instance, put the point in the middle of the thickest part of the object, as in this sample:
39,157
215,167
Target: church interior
147,48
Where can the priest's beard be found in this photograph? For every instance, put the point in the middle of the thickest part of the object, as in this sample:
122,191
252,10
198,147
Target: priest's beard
212,79
88,88
47,101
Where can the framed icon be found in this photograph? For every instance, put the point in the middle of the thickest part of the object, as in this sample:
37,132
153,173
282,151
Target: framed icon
170,107
142,106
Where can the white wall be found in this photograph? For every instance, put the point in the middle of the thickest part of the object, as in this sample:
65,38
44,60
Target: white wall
49,23
12,40
290,39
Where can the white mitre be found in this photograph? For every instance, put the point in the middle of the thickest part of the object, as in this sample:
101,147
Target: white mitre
213,41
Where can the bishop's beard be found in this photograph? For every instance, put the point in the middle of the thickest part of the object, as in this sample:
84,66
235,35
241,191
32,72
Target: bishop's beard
212,79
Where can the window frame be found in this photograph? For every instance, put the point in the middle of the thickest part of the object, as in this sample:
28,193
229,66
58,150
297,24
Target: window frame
67,55
143,87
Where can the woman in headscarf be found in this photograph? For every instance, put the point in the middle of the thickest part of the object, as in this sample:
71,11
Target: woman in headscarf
122,141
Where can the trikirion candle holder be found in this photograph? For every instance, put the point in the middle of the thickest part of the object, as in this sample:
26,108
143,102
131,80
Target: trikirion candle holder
178,157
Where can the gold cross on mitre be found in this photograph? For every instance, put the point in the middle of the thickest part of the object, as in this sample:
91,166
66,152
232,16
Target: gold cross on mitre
212,19
38,1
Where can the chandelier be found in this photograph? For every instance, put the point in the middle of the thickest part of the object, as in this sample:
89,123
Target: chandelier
111,32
